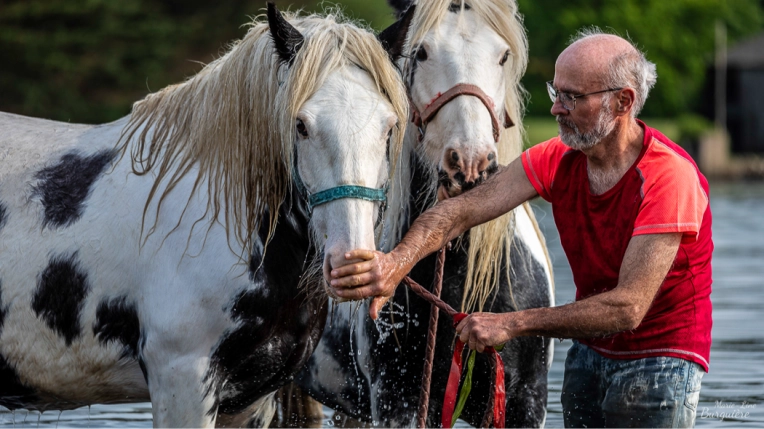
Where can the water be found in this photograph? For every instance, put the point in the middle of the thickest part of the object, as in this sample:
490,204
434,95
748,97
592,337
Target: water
736,373
734,385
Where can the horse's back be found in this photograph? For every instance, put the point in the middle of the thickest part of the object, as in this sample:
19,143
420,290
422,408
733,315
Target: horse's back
49,269
28,144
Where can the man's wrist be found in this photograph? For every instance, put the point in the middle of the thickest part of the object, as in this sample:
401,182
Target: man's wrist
516,324
404,259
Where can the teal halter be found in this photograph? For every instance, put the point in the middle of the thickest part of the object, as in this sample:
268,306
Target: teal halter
338,192
347,191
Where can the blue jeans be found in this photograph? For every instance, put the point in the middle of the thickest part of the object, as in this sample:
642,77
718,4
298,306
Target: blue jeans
656,392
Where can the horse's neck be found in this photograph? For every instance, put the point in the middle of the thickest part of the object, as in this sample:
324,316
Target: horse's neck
289,246
420,196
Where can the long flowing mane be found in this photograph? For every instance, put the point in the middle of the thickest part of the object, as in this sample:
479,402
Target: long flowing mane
231,125
489,243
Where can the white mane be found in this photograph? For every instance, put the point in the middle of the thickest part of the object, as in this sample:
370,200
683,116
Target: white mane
233,121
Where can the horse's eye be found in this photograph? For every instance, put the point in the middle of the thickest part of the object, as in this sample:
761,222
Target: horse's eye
421,54
504,58
301,129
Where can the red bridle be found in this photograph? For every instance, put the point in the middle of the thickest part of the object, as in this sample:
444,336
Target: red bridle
421,119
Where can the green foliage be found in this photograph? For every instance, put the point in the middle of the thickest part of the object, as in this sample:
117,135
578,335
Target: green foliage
691,127
677,35
89,60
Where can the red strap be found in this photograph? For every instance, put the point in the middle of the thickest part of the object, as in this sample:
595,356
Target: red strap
452,387
458,317
499,394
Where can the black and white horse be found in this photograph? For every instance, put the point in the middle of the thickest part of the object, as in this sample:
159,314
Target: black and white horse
161,257
466,59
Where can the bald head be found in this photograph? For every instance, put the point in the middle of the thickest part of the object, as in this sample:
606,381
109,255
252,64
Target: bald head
592,54
609,61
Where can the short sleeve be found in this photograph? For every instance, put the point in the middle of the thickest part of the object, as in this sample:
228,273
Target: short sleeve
541,162
673,199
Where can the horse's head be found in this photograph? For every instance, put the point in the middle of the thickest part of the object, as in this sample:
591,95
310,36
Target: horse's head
466,58
347,114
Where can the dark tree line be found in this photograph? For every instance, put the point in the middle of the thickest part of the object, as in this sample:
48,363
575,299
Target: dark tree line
89,60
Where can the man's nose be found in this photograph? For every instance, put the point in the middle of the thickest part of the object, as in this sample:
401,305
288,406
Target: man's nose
557,108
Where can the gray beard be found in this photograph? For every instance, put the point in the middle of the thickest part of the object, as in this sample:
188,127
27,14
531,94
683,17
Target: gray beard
577,140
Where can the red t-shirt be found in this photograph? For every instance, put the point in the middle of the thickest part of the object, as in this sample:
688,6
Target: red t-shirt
663,192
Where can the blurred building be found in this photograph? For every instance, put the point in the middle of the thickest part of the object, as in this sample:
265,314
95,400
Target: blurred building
745,95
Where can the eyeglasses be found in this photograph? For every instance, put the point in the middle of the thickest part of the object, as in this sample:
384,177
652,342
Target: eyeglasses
568,100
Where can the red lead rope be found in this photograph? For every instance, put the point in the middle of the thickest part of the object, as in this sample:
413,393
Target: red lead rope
452,387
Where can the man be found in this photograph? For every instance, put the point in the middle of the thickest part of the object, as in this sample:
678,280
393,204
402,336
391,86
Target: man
633,215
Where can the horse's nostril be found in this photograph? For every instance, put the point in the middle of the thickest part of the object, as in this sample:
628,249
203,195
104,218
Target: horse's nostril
491,156
455,156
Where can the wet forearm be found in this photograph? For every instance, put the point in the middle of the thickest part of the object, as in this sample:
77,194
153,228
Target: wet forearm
437,226
429,233
597,316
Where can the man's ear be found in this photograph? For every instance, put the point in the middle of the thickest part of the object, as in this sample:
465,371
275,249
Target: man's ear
625,100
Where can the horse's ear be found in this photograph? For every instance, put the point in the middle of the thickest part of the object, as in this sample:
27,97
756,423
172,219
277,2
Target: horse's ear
400,6
394,37
286,38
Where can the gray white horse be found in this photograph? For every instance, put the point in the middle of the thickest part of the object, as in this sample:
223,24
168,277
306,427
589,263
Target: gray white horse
464,63
161,257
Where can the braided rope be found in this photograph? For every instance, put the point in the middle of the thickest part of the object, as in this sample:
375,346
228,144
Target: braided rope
438,304
424,396
427,296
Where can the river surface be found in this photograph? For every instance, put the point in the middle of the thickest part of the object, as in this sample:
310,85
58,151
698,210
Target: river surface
733,391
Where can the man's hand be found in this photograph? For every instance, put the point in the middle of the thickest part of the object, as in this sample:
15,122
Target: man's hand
377,275
481,330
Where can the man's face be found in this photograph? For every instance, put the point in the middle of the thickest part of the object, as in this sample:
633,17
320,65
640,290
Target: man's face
592,118
573,137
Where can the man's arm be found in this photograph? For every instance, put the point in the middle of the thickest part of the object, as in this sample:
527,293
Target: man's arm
647,260
380,273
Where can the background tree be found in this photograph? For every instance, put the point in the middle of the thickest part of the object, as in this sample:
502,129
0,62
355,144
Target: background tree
89,60
677,35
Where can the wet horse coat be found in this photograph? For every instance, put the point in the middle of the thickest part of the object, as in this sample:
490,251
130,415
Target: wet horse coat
103,302
372,370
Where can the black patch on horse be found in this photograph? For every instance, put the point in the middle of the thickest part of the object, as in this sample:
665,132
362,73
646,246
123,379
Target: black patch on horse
64,187
13,393
3,310
394,37
3,215
61,291
400,6
277,324
116,320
